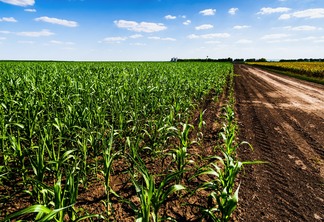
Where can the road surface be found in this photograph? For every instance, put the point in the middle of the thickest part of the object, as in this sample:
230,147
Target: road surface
283,118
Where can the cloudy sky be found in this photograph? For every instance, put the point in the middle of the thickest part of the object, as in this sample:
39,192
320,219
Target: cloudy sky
160,29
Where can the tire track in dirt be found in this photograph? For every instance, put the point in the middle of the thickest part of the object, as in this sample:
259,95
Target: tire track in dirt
271,169
290,186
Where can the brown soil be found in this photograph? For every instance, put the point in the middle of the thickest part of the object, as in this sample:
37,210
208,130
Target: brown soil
183,206
283,118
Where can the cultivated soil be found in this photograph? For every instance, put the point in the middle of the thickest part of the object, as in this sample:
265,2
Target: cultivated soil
283,118
182,206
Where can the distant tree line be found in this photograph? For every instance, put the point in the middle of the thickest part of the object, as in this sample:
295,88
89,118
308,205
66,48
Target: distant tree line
203,60
301,60
243,60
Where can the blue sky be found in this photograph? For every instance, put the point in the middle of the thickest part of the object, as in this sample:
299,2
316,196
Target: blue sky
160,29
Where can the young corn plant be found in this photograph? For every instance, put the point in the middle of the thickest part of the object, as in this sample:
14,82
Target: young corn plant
152,196
109,155
228,133
222,173
82,142
58,201
222,199
201,123
19,153
38,162
180,155
45,214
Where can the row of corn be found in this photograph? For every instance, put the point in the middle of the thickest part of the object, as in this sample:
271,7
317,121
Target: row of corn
64,123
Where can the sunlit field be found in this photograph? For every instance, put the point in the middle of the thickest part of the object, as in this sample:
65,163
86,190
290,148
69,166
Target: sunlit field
310,69
64,124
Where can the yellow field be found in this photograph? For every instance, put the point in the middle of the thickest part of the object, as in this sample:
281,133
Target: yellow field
312,69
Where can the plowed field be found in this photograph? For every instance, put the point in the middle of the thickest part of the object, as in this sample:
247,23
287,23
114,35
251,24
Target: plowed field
283,118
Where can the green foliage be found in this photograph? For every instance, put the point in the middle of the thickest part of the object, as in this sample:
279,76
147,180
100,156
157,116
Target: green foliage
62,122
180,154
151,194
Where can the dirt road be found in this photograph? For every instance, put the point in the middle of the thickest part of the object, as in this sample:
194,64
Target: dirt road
283,118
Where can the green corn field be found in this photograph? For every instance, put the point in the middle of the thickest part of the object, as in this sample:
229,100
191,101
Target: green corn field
65,126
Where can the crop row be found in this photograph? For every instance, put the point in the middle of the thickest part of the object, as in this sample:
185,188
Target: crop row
62,124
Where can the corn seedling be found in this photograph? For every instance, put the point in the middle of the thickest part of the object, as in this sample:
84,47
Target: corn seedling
201,123
222,198
152,195
109,156
180,155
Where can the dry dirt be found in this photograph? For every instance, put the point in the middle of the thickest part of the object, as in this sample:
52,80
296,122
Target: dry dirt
283,118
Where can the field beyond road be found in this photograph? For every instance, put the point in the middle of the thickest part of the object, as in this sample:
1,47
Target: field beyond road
284,120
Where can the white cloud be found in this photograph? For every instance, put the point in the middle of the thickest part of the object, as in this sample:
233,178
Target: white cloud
57,21
164,39
209,36
44,32
119,39
136,36
267,10
19,2
241,27
308,13
274,36
204,27
5,32
232,11
140,27
3,38
61,43
284,16
243,41
170,17
116,39
8,19
303,28
187,22
208,12
56,42
30,10
138,44
294,40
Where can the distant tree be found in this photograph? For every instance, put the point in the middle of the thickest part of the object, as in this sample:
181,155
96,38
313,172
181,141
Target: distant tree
238,61
250,60
262,60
